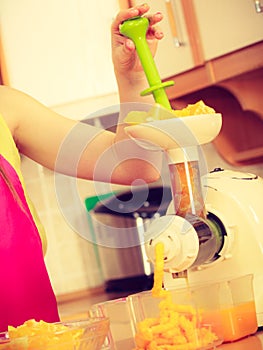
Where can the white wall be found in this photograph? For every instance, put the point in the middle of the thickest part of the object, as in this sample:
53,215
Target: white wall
58,51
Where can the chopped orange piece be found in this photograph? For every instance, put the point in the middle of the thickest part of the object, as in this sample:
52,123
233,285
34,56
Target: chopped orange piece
157,112
41,335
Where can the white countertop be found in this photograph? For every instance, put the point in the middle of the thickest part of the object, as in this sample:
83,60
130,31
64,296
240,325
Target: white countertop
77,309
253,342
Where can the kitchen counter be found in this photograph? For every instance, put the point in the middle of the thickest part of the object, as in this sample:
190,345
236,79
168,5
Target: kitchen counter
77,308
253,342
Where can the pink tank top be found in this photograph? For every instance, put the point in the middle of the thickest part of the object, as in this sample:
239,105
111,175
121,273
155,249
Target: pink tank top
25,288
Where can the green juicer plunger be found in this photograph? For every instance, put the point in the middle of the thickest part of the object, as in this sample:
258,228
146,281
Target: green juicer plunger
136,29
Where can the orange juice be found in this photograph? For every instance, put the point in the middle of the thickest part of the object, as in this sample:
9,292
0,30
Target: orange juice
239,321
233,322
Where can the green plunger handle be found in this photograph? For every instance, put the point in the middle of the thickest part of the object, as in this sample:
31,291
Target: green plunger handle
136,29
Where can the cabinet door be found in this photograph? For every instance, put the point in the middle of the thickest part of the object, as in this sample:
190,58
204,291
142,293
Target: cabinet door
170,58
227,25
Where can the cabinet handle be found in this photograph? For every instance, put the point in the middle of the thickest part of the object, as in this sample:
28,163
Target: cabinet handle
172,22
258,6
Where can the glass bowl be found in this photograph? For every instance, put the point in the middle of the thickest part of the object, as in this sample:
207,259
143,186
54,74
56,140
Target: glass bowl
88,334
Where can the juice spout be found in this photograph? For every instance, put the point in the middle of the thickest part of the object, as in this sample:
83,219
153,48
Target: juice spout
181,274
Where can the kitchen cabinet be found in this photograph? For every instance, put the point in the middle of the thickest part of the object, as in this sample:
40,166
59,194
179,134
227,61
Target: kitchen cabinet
227,25
179,50
197,31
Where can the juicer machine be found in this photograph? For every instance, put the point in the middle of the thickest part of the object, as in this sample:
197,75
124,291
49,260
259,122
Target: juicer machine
213,229
227,243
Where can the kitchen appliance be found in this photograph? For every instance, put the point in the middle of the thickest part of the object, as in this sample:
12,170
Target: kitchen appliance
119,223
227,244
214,227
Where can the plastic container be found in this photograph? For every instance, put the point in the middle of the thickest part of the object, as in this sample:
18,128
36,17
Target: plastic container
125,313
226,309
189,324
86,334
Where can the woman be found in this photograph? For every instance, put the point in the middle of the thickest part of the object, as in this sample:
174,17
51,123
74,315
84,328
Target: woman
29,128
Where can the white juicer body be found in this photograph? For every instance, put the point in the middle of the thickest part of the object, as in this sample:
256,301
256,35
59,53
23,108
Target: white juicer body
235,198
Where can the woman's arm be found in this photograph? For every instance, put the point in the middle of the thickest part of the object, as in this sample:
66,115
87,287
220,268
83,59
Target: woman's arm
71,147
79,149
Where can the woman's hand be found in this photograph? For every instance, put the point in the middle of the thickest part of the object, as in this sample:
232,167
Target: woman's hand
126,62
123,50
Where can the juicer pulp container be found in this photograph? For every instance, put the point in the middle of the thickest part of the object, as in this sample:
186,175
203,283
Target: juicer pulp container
193,303
184,319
